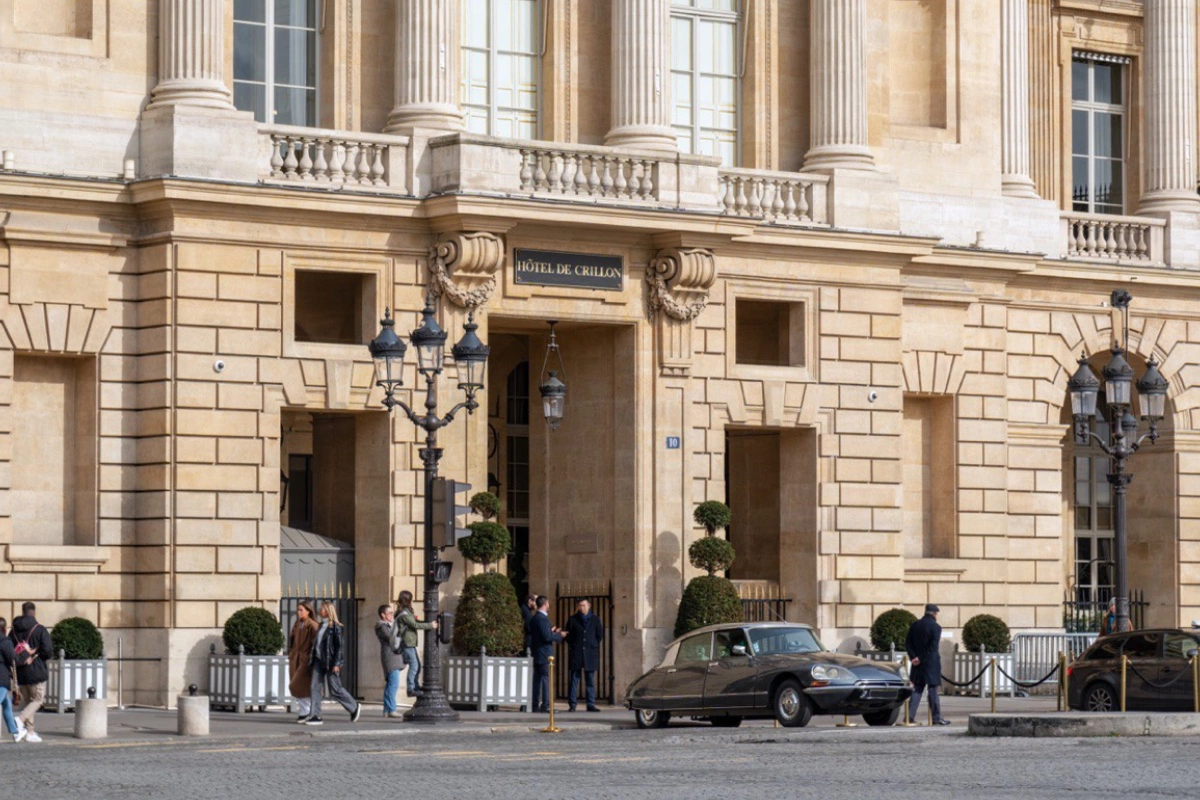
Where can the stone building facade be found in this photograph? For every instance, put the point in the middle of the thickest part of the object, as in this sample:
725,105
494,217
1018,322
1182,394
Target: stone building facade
861,244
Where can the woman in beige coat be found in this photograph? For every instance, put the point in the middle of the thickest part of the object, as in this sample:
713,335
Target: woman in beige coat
300,647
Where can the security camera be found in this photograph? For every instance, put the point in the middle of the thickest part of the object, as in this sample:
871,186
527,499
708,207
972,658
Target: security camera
218,366
872,396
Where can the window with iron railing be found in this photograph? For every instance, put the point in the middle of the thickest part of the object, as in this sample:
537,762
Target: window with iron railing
275,60
1098,132
501,55
705,77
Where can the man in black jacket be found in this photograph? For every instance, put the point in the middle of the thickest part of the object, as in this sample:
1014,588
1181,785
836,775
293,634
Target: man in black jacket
585,632
31,641
542,638
922,643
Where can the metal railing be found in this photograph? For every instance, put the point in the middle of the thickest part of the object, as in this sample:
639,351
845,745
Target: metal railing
1087,616
1035,653
599,594
347,609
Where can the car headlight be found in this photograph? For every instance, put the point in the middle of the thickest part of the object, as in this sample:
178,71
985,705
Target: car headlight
824,673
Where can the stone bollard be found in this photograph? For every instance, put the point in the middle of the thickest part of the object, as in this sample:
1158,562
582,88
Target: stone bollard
91,716
193,713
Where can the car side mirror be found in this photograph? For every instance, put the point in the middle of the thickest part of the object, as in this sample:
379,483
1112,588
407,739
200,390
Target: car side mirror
740,650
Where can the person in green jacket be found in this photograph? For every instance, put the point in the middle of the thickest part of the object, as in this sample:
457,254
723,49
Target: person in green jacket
406,622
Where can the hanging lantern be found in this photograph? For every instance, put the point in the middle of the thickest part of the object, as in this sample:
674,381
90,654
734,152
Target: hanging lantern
553,390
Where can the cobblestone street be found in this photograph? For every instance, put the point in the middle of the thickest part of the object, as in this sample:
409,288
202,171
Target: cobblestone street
595,761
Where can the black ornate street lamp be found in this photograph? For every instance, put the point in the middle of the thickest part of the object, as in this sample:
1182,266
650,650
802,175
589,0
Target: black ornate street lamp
1124,440
470,354
553,390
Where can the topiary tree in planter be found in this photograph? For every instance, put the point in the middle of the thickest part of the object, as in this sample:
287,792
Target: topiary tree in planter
488,616
78,638
709,599
485,504
255,629
989,631
488,543
891,628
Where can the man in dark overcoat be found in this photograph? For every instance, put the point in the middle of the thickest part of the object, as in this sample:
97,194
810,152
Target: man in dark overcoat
922,643
585,632
543,636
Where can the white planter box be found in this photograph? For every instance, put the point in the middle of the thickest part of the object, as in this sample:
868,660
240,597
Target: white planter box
967,666
484,680
70,679
239,682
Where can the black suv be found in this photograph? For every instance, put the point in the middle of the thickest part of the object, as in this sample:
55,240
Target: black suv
1158,678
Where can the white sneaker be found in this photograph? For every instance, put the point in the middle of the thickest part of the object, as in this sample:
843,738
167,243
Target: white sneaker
19,735
31,736
20,724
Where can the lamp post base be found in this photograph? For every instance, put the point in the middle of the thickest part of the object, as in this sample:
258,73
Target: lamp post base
431,711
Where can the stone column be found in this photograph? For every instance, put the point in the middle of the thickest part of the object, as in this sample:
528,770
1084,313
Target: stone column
1169,171
839,87
641,73
191,55
426,67
1015,180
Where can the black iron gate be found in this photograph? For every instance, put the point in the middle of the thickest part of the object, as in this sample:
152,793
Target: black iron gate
567,596
348,606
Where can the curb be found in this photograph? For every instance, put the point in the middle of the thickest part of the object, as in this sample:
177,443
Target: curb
1084,725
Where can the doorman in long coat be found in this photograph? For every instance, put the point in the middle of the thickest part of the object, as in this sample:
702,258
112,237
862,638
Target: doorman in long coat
585,632
922,643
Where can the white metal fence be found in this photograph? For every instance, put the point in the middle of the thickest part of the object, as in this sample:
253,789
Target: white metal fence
1036,654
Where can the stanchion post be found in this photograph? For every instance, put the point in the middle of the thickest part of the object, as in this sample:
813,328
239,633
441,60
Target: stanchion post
1062,681
993,669
551,728
1196,684
846,723
1124,663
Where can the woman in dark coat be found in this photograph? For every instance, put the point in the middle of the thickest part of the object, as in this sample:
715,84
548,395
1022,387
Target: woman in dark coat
300,647
328,658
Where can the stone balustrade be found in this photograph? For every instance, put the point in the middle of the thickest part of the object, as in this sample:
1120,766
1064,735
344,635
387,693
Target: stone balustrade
601,173
1113,238
779,197
334,159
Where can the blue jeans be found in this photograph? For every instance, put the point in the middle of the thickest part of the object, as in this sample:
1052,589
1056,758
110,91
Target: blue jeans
414,670
6,707
389,691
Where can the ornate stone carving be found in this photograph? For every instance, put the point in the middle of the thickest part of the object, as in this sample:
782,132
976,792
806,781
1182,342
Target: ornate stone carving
462,267
679,280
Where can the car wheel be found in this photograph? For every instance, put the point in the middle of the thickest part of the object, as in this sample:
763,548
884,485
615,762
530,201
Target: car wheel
725,722
648,718
1100,697
882,718
792,708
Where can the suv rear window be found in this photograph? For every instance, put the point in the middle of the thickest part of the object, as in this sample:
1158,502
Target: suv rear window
1106,649
1142,645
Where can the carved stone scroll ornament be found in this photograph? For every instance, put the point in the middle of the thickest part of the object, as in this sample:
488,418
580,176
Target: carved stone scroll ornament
679,280
463,266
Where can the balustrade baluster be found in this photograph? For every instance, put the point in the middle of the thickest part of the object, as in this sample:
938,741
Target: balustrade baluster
337,161
539,172
364,165
620,185
740,200
1091,239
1122,239
580,180
526,176
289,162
635,182
320,165
377,168
593,178
305,160
555,175
1143,247
777,189
276,158
606,179
789,201
648,180
725,184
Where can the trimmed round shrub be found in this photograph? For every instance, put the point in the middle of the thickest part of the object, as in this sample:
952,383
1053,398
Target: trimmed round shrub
711,515
989,631
485,504
707,600
711,554
488,543
255,629
891,627
488,616
78,638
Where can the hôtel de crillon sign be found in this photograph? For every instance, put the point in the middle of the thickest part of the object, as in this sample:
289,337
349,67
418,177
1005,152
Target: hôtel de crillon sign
581,270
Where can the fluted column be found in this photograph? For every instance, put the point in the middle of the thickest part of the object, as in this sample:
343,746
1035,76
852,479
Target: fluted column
641,70
426,66
1169,170
1015,180
191,55
839,87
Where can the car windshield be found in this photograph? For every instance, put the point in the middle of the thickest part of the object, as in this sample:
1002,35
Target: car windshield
770,641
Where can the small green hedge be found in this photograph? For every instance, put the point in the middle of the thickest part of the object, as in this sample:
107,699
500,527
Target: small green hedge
485,504
711,554
989,631
488,616
255,629
707,600
78,638
711,515
488,543
891,628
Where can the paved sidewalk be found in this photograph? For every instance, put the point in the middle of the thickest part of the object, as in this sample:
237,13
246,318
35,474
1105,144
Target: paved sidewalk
141,725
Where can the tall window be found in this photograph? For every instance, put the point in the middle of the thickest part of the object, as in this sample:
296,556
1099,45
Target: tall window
705,75
1098,95
275,60
1094,567
501,54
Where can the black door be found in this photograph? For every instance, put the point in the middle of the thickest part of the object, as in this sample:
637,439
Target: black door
1143,651
1176,670
731,672
683,688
